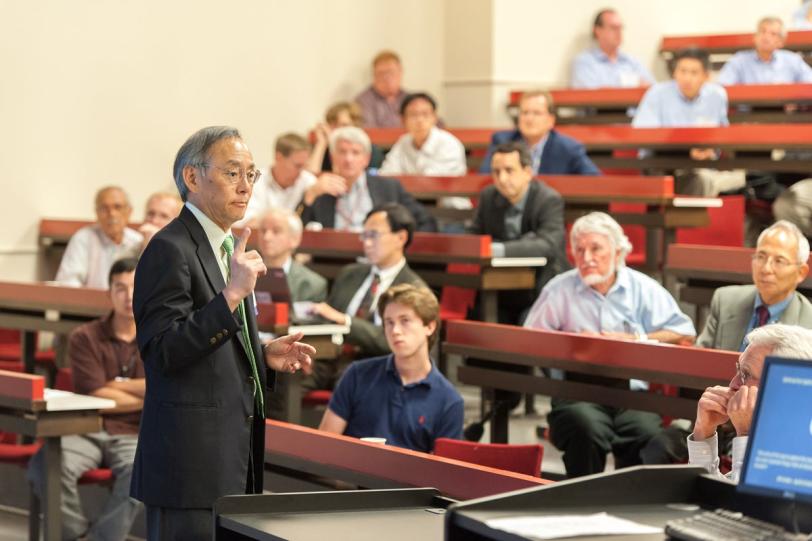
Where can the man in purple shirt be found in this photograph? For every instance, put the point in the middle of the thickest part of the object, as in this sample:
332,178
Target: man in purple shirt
380,103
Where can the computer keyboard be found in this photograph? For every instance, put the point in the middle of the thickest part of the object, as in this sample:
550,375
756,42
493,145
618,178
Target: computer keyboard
726,525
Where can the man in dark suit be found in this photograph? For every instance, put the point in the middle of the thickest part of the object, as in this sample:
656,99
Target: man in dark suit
525,218
551,153
202,428
280,233
346,206
388,231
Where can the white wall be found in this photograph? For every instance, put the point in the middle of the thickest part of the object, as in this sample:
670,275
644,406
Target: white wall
104,91
97,92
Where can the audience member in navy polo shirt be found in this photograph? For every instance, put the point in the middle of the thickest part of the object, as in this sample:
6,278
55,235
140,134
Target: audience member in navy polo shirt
401,397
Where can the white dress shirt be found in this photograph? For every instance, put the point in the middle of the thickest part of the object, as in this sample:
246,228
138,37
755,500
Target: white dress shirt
442,154
269,194
352,207
91,253
705,453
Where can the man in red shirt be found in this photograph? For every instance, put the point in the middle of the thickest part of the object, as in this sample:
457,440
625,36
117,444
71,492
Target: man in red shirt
105,361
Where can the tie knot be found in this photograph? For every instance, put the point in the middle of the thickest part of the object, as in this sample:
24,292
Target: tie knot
228,245
763,315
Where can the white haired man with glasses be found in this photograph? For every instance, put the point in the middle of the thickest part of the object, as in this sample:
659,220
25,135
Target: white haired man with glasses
737,401
779,265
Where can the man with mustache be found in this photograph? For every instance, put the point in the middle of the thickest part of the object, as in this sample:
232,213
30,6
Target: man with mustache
602,296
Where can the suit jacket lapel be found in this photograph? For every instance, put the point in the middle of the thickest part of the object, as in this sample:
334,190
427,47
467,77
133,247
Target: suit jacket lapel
530,205
792,313
500,207
736,322
204,251
354,283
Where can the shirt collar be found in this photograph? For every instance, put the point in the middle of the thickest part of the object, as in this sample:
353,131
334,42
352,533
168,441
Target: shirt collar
431,141
622,281
776,309
359,185
522,203
598,53
770,61
107,327
213,232
390,273
287,264
430,379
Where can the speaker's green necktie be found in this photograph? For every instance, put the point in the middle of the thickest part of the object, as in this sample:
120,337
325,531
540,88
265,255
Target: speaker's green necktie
228,246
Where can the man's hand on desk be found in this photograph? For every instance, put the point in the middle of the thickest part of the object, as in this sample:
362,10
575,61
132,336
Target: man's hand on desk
740,409
704,154
287,354
326,311
619,335
711,411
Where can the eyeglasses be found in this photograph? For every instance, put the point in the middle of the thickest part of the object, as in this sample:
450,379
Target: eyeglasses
372,235
235,174
742,374
779,262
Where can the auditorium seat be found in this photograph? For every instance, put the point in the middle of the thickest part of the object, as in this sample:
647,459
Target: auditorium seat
726,225
524,459
318,397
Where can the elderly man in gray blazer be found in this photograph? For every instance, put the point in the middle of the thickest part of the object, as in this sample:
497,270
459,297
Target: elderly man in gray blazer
779,265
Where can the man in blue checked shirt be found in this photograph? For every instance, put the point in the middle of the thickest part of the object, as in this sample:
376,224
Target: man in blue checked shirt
605,65
602,296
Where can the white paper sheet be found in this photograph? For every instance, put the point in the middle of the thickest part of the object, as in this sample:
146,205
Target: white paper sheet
562,526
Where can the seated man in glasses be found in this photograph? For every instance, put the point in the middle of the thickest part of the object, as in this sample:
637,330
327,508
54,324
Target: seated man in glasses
401,397
779,265
388,231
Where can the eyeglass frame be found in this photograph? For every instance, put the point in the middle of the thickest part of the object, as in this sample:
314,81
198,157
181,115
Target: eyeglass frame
243,174
778,262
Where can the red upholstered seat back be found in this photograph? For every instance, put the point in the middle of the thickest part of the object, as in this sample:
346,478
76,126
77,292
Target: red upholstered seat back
524,459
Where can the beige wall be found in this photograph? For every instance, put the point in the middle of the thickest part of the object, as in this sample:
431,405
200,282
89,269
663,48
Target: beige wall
97,92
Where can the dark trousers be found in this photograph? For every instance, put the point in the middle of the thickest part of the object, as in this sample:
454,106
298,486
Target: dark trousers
172,524
586,432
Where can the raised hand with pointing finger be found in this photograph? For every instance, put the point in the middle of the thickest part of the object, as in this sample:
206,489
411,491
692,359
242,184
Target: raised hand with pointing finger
244,267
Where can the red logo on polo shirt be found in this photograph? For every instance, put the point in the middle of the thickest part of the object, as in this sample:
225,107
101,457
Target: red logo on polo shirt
421,420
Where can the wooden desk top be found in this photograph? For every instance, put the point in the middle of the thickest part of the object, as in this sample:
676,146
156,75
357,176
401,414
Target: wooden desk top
627,97
722,263
454,478
678,365
799,40
55,299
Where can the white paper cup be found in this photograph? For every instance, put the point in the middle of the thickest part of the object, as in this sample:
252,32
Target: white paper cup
379,441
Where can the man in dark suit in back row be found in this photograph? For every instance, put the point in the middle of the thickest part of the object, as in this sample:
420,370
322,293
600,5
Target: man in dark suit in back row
551,153
525,218
345,206
203,424
388,231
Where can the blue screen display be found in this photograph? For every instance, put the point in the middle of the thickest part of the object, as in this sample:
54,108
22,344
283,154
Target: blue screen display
779,457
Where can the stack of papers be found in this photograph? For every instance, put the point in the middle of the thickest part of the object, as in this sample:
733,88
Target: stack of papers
563,526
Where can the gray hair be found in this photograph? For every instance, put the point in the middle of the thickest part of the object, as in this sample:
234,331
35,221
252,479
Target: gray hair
790,341
294,221
111,188
603,224
194,152
353,135
772,19
792,229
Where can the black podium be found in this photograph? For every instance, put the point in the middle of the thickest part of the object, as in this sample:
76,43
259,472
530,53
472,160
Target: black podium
650,495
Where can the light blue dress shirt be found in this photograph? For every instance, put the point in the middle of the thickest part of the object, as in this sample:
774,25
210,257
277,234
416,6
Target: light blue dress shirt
800,20
776,311
635,303
664,106
593,69
746,68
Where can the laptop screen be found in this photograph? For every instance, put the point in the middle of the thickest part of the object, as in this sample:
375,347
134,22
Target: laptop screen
778,462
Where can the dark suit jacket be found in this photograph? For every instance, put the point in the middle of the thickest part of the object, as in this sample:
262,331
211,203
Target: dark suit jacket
363,332
562,155
730,313
542,235
381,190
305,284
198,418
